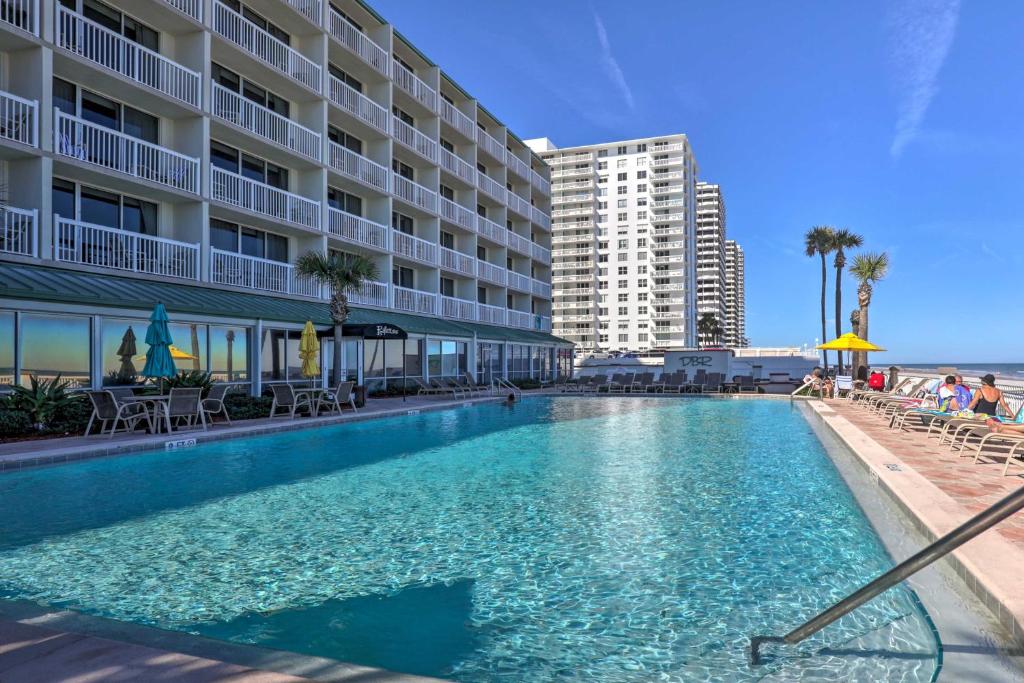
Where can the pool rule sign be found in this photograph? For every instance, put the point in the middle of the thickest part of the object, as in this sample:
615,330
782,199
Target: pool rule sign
716,360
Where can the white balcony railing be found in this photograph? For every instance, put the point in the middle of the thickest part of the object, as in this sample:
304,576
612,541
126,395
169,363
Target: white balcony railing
491,230
193,8
459,215
311,9
357,104
577,158
414,85
372,294
490,187
18,231
265,47
490,144
458,262
85,141
257,119
666,161
519,282
664,203
518,204
19,118
413,300
358,230
415,194
357,167
356,41
520,319
252,195
518,243
239,270
542,323
98,245
517,165
456,119
490,272
541,289
540,218
460,309
414,139
78,35
540,253
491,315
413,247
541,183
457,167
21,14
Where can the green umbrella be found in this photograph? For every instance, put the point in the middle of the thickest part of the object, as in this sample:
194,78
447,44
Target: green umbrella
158,358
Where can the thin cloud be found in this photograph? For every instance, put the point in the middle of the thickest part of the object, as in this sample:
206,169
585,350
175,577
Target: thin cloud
611,65
921,33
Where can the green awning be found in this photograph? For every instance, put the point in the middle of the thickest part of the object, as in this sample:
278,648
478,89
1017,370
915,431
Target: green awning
60,285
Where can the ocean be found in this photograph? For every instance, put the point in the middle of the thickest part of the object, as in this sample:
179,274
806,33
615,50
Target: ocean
1008,370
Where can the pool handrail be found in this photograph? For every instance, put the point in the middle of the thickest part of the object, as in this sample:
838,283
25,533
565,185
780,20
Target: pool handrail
502,383
976,525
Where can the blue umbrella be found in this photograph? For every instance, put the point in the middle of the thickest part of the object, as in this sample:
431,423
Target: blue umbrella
158,358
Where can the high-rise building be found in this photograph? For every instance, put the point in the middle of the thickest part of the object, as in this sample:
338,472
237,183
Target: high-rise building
190,151
711,276
623,243
735,294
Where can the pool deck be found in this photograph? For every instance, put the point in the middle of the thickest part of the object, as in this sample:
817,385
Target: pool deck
939,490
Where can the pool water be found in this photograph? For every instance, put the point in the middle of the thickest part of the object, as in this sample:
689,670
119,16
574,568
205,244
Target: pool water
613,539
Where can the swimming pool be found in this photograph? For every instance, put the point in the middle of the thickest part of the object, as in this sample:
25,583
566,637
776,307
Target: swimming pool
611,539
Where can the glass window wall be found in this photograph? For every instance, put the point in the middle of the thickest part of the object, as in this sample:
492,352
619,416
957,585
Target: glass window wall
6,349
54,345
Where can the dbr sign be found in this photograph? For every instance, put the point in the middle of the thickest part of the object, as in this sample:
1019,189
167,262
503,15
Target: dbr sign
692,361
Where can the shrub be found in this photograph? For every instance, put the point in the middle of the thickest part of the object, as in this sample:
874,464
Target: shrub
191,379
14,423
41,399
244,407
71,418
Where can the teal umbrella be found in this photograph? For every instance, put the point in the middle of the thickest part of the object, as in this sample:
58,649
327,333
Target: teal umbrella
158,358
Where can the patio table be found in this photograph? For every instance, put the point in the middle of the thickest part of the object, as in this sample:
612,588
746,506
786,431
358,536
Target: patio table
157,404
315,394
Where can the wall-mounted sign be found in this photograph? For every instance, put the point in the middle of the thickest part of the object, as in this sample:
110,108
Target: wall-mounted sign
375,331
693,361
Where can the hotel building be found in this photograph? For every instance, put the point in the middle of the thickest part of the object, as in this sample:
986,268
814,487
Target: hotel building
623,243
735,297
711,276
189,151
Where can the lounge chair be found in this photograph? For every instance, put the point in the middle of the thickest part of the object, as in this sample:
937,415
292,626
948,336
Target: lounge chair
213,404
967,427
699,382
913,397
186,406
675,383
595,384
286,400
642,382
843,386
1016,450
474,387
745,384
620,382
1009,440
443,385
658,385
713,382
906,390
341,395
105,408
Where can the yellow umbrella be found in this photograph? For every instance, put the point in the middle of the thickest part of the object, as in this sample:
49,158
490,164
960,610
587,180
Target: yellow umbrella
309,351
176,354
849,342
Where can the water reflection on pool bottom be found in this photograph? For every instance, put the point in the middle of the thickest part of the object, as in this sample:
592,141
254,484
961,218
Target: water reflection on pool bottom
613,539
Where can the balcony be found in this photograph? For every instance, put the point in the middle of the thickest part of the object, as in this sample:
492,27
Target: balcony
413,193
19,119
414,140
263,46
21,14
413,85
539,182
372,293
579,211
666,176
459,215
667,147
193,8
666,203
520,319
669,230
584,185
517,165
518,243
490,187
490,144
571,159
490,273
660,246
357,104
540,218
540,253
588,277
571,199
673,217
491,230
263,199
573,239
18,231
413,300
311,9
414,248
78,35
98,245
518,204
242,112
562,226
457,167
542,323
586,251
357,43
81,140
457,120
573,172
490,315
357,167
250,272
358,230
667,287
460,309
516,281
457,262
666,161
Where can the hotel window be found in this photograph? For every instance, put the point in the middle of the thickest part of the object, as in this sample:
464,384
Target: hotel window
622,163
447,240
601,180
6,349
642,161
602,205
448,193
641,270
642,187
623,189
622,149
346,140
346,78
112,19
642,201
623,284
100,207
239,239
602,153
622,203
623,244
623,338
445,145
103,111
640,175
622,176
641,148
623,310
404,170
402,223
346,17
641,310
52,345
622,217
343,201
235,161
623,297
602,339
641,337
641,243
641,215
402,115
601,165
641,283
258,20
481,295
623,256
402,277
623,270
447,287
254,93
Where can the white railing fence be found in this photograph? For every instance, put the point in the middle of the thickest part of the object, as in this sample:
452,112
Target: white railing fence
193,8
358,230
19,118
245,113
358,167
354,39
458,308
414,139
372,294
18,231
354,102
413,193
250,272
414,85
414,247
413,300
99,245
243,192
21,13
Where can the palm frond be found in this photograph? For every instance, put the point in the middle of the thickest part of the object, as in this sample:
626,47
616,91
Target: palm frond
818,240
870,267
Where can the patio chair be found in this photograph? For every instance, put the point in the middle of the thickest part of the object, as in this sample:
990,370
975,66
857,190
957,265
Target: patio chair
443,386
642,382
185,405
343,394
122,393
675,383
473,386
105,408
423,389
576,384
213,404
700,380
286,400
595,384
713,382
745,384
619,383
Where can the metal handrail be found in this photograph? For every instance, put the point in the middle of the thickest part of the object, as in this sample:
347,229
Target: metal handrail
976,525
505,384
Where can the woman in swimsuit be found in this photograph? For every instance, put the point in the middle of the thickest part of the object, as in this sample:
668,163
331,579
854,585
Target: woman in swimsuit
988,399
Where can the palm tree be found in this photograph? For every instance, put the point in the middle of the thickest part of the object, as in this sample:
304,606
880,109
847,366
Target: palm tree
818,242
868,268
842,240
706,326
344,274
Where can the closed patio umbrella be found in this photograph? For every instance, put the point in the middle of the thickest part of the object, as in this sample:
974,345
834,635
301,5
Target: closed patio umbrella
309,351
125,351
159,362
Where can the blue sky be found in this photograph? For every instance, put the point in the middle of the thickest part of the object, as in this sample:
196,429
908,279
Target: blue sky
903,121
